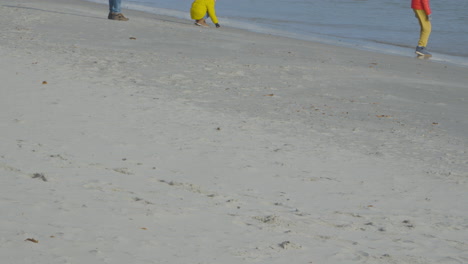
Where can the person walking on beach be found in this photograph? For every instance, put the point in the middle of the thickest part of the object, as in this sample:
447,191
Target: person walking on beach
202,9
422,10
115,12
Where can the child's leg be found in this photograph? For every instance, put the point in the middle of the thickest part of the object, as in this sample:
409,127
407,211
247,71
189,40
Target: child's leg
426,27
203,20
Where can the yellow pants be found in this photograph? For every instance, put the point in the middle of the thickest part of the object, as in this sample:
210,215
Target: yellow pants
426,27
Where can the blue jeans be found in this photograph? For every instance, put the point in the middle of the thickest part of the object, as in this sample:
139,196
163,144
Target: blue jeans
114,6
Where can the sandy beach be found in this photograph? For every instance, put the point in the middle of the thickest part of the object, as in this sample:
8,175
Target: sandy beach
156,141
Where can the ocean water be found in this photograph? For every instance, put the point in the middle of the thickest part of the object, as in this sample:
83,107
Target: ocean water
386,26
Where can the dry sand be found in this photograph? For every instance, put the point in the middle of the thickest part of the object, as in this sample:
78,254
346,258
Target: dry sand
156,141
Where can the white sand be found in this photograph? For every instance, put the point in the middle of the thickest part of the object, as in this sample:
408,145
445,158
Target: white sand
220,146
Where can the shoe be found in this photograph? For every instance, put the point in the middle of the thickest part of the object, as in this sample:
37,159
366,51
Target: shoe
201,23
117,16
421,51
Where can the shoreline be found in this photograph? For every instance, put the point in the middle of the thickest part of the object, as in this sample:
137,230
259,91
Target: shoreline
156,141
368,45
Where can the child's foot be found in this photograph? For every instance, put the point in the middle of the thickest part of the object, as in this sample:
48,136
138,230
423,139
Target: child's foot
421,51
201,23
